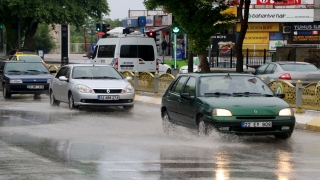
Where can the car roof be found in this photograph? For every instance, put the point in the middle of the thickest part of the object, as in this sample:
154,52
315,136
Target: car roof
87,64
289,62
200,74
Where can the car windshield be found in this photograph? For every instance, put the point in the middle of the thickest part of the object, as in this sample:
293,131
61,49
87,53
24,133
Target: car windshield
95,72
25,67
298,67
30,58
233,85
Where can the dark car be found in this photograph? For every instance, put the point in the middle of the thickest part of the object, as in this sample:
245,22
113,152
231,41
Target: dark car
19,77
240,104
289,71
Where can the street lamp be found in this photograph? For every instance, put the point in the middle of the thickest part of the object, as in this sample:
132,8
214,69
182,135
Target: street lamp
175,31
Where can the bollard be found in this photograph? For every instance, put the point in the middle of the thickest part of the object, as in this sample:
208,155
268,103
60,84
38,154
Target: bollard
136,76
156,78
299,97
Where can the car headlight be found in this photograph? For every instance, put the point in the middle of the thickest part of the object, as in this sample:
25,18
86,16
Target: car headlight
286,112
84,89
15,81
221,112
127,89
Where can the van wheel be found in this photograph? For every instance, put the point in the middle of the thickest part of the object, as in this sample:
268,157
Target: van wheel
6,94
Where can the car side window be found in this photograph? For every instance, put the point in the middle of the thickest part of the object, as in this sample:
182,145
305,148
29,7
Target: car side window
261,69
61,72
67,75
270,69
178,84
190,86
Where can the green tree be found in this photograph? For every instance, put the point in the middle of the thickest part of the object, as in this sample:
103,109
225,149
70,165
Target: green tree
43,39
199,19
30,13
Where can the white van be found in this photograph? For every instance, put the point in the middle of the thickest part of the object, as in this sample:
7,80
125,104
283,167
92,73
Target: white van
130,52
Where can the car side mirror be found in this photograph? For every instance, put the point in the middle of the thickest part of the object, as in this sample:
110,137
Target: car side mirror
187,96
63,78
128,78
281,95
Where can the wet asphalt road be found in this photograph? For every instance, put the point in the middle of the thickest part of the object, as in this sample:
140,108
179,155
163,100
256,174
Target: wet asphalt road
38,141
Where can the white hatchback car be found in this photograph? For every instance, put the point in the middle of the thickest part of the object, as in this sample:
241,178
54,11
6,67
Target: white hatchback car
184,69
163,68
91,85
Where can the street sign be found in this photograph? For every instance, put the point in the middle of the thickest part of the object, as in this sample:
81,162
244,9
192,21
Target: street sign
175,29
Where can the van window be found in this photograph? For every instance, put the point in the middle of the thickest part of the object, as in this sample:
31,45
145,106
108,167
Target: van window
106,51
144,52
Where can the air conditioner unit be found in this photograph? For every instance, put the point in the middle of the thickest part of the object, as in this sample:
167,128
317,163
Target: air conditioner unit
286,29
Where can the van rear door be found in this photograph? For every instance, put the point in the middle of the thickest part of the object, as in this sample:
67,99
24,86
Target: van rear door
147,55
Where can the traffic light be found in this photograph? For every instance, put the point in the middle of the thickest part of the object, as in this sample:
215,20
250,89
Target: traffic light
99,27
175,29
155,36
105,29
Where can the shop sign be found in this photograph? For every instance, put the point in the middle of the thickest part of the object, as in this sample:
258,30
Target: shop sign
276,43
269,27
149,21
305,33
256,38
157,20
280,15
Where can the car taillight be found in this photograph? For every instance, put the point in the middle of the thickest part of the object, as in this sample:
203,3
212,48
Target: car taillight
115,64
285,76
157,65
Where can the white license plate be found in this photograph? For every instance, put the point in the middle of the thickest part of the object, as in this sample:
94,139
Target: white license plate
256,124
108,97
35,86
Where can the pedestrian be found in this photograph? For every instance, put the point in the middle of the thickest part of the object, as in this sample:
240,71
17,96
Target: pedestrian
164,45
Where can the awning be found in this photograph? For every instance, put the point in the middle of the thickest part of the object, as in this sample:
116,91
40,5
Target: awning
154,29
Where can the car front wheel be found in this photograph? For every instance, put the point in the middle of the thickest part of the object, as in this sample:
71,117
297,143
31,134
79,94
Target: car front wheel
71,102
166,124
53,101
204,129
6,94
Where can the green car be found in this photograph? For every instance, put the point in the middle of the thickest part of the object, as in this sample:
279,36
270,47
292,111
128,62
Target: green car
240,104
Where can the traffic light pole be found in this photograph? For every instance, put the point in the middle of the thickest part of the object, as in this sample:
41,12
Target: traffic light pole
175,50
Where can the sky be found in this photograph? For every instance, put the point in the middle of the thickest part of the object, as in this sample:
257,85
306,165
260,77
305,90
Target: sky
119,8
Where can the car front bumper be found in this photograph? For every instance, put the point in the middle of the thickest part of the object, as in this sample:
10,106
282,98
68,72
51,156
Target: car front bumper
233,125
91,99
22,88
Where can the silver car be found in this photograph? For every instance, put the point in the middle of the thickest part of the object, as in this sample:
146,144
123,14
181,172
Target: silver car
289,71
91,85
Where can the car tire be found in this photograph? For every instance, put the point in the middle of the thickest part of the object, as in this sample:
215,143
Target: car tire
6,94
128,107
71,102
283,136
53,101
168,71
204,129
167,125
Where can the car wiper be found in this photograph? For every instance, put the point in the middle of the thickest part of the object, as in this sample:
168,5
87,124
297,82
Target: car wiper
246,94
267,95
33,70
84,77
104,77
217,94
14,71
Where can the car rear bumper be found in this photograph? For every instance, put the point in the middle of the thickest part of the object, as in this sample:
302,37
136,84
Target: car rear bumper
279,126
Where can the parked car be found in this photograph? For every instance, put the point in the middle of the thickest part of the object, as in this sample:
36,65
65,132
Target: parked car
240,104
289,71
19,77
91,85
20,56
163,68
23,50
184,69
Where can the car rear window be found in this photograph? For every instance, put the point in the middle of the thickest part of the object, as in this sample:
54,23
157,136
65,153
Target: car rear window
298,67
144,52
106,51
30,58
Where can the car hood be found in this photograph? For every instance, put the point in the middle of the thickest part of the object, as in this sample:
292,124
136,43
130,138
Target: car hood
102,83
29,76
247,105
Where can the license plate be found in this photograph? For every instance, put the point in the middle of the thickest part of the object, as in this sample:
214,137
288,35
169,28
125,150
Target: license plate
108,97
35,86
256,124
